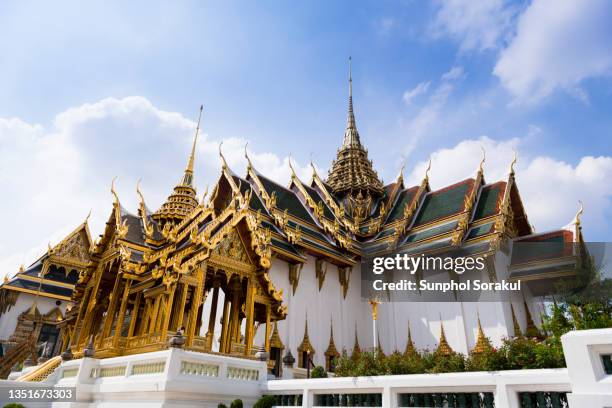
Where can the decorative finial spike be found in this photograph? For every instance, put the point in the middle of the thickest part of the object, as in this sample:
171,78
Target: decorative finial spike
427,170
223,162
88,215
579,213
293,173
513,163
114,192
484,157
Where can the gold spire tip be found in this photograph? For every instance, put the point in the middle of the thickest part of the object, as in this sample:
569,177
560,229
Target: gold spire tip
513,163
113,191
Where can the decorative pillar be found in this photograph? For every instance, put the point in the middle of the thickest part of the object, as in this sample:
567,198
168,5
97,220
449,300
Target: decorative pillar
234,315
168,312
121,316
110,313
249,311
213,309
134,316
374,303
154,311
183,299
224,325
267,341
195,304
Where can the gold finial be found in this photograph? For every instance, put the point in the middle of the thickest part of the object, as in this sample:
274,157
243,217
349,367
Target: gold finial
482,343
114,192
195,141
427,170
87,218
223,162
443,347
293,173
6,278
204,195
579,213
400,175
246,156
22,267
484,157
513,163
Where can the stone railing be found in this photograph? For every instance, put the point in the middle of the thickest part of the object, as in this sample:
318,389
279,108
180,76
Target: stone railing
587,382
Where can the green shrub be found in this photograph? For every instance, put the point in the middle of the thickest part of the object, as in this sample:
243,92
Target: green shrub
13,405
237,403
318,372
447,363
267,401
490,359
221,405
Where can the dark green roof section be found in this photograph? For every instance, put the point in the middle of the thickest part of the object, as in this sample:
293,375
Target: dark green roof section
286,199
443,203
327,212
431,232
324,248
44,288
480,230
285,246
404,198
487,202
385,233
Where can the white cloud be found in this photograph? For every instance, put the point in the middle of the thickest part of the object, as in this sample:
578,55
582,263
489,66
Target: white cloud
550,189
476,25
558,44
420,89
52,177
427,116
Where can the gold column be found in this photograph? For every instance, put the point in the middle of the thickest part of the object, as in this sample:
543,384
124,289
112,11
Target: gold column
234,314
153,314
134,316
213,309
224,325
195,304
181,312
121,316
83,334
268,327
82,307
168,312
144,327
249,311
110,313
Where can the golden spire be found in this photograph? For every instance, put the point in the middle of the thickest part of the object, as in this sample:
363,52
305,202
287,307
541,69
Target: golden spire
331,348
482,343
352,171
356,348
410,348
444,348
183,199
579,214
188,177
515,323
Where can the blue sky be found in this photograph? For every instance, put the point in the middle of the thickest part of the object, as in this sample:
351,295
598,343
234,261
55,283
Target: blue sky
112,89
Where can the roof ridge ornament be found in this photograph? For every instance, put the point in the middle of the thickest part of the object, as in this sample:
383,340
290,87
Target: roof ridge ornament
188,177
482,161
514,159
223,161
427,170
579,213
293,173
246,156
114,192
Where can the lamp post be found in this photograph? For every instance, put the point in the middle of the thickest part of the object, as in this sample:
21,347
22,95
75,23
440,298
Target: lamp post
374,302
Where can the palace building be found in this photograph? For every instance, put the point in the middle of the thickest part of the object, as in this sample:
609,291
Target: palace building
259,266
